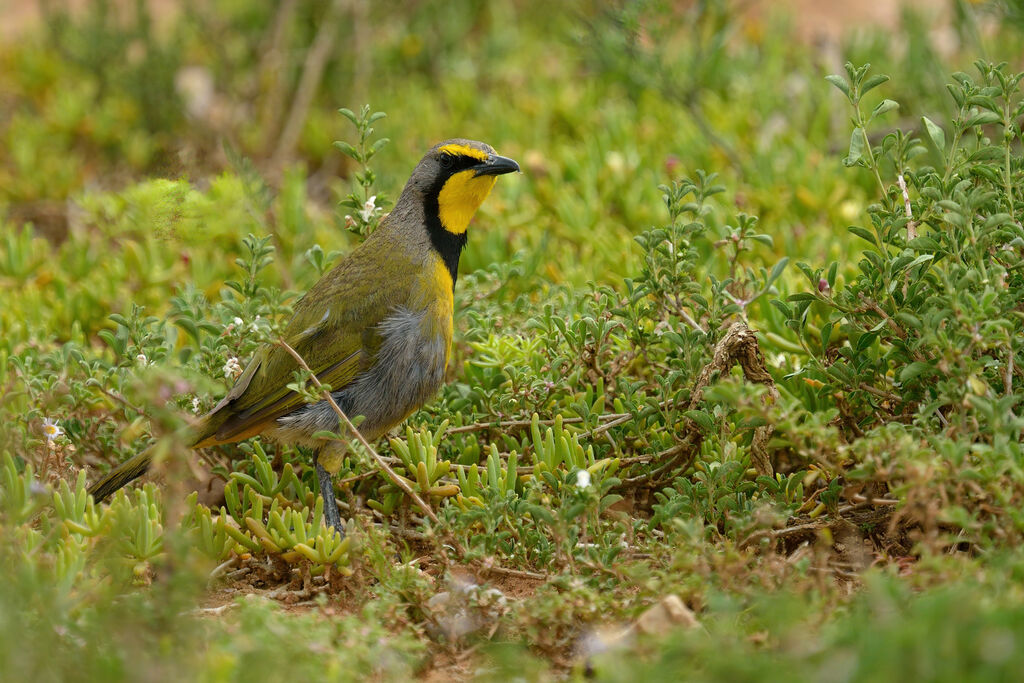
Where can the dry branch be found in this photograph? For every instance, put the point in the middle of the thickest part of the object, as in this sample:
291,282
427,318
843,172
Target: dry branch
739,346
312,73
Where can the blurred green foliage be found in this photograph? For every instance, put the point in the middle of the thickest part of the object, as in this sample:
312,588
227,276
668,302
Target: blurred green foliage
160,223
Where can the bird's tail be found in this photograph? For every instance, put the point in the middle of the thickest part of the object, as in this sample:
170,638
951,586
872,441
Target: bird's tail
199,436
127,471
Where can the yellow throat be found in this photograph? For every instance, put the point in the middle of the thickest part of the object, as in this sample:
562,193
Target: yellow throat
460,197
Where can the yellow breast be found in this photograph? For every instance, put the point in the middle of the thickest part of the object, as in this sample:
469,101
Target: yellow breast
438,301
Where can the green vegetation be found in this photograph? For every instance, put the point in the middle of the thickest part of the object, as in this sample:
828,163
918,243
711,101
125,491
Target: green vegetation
836,494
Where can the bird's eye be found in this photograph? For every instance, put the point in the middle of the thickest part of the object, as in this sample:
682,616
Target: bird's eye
447,161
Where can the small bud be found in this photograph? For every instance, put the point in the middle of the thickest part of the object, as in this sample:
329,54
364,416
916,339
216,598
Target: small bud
823,286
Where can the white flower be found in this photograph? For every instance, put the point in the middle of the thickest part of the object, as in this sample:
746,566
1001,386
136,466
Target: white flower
142,360
582,479
51,430
195,404
254,326
232,368
237,320
369,208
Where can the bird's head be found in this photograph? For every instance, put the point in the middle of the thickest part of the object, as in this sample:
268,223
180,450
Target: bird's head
455,177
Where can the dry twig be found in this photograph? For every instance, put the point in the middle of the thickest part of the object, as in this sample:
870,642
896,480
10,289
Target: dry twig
312,73
911,225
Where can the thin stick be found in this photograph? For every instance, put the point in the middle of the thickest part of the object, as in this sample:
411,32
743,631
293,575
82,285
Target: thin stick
512,424
113,395
312,72
381,463
667,453
270,70
785,531
1008,377
858,498
860,501
864,386
911,225
615,422
873,306
357,477
222,569
515,572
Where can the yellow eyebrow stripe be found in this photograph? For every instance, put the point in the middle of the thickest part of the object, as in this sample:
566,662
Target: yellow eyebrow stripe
464,150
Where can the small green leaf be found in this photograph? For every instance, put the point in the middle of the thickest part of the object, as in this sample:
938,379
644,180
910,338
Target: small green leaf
985,102
826,334
909,320
915,369
348,149
983,118
956,93
935,134
986,171
702,419
866,340
348,114
786,310
997,219
839,82
856,154
776,271
811,275
872,83
862,233
989,153
884,107
609,500
924,243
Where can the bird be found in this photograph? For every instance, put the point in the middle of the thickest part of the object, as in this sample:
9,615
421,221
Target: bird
377,327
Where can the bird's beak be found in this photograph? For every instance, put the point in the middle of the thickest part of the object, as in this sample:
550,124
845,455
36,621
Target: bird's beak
495,165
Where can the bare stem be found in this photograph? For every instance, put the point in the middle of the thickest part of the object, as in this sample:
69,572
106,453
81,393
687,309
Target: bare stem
312,72
911,225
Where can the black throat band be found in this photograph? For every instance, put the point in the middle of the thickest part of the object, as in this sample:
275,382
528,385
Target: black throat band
449,245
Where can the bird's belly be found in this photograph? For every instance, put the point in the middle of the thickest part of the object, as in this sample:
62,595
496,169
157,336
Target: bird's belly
408,370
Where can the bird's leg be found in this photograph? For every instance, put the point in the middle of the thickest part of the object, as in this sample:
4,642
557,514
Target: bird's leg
326,486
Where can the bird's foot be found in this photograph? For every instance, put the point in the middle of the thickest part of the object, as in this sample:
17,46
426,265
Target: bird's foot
331,515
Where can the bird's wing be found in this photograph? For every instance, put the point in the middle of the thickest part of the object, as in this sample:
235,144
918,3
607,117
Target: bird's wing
334,330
